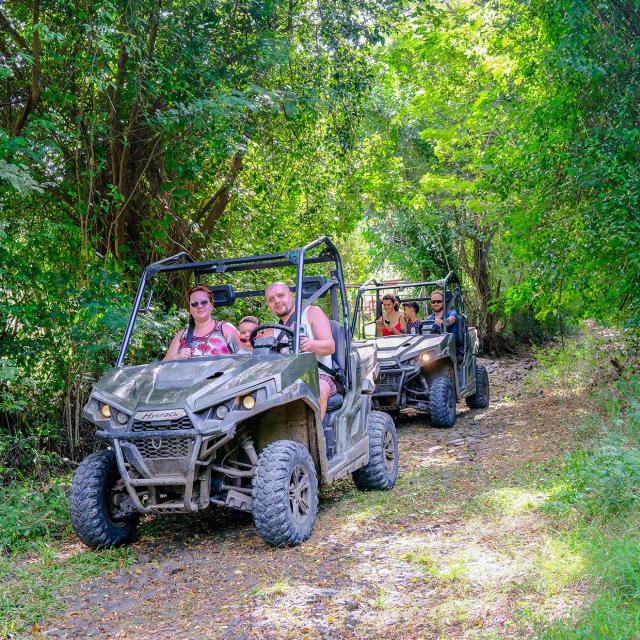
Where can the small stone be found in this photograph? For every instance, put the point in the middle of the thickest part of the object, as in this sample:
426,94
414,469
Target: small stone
351,621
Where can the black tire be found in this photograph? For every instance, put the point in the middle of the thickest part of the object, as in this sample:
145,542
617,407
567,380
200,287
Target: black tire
285,494
442,402
89,502
381,471
480,399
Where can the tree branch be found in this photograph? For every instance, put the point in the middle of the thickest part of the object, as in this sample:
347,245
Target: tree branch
34,96
8,27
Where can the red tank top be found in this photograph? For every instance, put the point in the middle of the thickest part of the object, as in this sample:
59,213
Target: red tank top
213,344
386,332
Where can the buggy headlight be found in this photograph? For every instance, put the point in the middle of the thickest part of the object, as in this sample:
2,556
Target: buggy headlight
248,402
105,410
122,417
424,357
221,411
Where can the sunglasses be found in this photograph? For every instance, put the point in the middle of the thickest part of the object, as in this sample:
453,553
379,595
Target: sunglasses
199,303
436,301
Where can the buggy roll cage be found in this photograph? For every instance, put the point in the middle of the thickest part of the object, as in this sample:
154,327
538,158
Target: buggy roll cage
372,285
316,286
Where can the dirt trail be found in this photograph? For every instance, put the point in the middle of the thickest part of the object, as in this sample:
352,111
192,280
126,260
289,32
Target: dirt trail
450,553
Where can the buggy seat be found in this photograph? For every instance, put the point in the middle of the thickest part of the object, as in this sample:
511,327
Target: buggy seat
339,359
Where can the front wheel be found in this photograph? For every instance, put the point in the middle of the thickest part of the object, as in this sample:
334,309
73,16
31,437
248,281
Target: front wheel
96,503
382,469
442,402
480,399
285,494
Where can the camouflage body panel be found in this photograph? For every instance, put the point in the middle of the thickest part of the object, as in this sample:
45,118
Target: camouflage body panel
408,362
170,437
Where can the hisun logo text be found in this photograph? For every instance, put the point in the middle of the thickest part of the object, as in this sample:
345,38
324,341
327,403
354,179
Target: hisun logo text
169,414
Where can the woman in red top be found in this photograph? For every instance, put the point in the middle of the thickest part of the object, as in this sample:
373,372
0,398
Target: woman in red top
391,322
210,337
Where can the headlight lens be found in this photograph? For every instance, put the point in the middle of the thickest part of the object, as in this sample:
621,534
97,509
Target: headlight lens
122,418
424,357
221,411
105,411
248,402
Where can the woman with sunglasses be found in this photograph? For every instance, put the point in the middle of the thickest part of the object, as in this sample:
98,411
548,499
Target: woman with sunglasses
437,304
209,337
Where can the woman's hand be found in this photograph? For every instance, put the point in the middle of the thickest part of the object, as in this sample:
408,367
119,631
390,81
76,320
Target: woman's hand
185,352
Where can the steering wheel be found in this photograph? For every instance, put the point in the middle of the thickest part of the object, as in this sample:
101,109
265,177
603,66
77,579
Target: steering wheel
272,325
430,327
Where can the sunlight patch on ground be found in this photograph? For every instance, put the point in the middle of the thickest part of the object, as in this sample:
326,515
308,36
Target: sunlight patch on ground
434,581
514,500
559,565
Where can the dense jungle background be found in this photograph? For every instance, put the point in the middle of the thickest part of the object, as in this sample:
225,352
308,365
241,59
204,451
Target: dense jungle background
496,138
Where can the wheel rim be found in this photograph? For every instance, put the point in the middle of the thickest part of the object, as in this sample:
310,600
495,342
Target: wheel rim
113,498
299,493
389,452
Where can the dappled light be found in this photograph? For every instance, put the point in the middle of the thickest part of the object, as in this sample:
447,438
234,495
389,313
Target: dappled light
320,320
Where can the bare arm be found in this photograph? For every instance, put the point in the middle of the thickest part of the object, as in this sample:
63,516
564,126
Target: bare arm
173,350
322,344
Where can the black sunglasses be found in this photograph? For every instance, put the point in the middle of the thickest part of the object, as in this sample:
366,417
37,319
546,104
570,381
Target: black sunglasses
199,303
436,301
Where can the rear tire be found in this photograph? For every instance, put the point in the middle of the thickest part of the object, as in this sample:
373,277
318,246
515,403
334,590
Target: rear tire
480,399
381,471
90,503
442,402
285,494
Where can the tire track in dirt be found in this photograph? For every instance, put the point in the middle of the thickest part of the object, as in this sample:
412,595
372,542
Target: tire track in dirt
423,561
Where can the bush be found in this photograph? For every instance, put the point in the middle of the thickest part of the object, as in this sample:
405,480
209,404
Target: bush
605,480
31,512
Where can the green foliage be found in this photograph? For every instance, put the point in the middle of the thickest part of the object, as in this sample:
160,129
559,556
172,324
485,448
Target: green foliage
603,481
32,513
596,493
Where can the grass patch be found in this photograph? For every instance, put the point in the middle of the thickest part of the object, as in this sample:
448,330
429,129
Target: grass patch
31,511
30,588
270,591
596,498
35,565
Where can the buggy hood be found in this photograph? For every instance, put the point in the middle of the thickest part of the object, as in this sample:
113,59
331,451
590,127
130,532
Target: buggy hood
399,348
198,382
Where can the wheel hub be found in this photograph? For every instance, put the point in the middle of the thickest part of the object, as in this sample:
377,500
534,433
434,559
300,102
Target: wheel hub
299,493
389,452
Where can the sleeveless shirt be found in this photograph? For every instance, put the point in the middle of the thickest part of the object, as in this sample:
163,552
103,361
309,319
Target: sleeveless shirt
213,344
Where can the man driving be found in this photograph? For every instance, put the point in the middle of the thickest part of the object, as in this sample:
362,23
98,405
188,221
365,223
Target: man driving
318,339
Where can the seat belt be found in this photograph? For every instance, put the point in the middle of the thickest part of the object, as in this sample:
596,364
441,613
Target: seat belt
189,338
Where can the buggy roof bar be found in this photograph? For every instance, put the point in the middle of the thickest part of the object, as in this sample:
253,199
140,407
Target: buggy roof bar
373,285
183,261
228,265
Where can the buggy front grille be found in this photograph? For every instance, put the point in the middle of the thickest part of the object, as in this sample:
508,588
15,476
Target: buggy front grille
163,425
389,378
161,447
